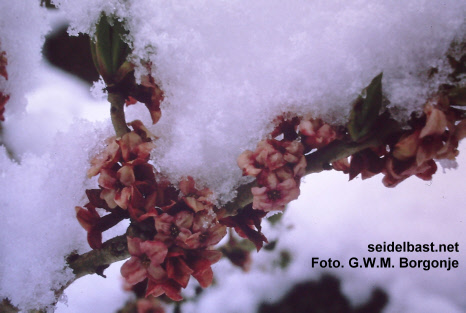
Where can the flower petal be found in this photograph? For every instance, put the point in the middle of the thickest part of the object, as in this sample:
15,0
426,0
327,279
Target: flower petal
184,219
179,271
155,250
157,273
126,175
108,179
133,271
122,197
134,246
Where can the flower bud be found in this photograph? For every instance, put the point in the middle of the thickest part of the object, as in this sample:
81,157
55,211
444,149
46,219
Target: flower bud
109,50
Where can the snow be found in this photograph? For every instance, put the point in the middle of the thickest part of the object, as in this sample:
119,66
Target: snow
99,294
22,24
38,223
227,69
48,103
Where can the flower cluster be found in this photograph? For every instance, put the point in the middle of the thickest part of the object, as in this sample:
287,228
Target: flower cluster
124,172
433,136
3,72
127,183
278,165
180,244
315,133
173,230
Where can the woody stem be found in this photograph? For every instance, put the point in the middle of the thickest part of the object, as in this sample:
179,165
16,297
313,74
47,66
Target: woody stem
117,113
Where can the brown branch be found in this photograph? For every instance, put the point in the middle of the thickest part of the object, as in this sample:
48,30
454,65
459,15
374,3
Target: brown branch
117,113
95,261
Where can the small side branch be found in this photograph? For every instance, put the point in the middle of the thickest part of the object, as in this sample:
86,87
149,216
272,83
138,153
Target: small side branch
319,160
117,113
95,261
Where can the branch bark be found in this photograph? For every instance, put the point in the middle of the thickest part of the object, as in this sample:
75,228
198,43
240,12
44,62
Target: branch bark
117,113
95,261
92,262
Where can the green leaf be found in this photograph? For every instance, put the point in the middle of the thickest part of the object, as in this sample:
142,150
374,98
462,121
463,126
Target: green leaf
366,110
103,47
109,51
120,47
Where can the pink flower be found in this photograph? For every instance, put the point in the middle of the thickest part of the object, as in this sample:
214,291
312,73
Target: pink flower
272,198
174,229
143,200
396,171
197,200
316,133
146,257
119,184
200,261
206,231
178,270
407,146
89,218
168,287
265,156
92,222
247,224
155,99
116,193
133,147
180,266
247,162
436,121
106,159
431,142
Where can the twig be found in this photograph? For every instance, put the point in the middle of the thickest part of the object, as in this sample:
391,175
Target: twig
319,160
95,261
117,113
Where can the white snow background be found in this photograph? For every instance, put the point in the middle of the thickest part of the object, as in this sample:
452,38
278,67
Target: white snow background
228,68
